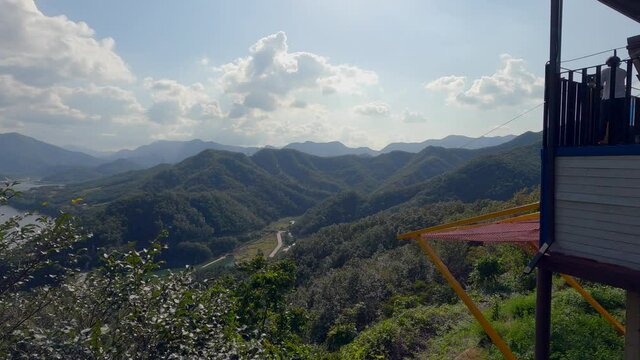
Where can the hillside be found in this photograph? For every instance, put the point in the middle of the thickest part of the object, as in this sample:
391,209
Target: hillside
494,176
26,156
348,288
30,157
218,194
78,174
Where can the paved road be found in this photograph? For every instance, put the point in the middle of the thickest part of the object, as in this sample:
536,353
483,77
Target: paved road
214,261
275,251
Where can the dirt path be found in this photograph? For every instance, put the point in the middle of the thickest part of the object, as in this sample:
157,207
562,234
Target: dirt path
275,251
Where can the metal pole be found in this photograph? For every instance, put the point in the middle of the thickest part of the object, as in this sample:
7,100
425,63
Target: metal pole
543,314
632,336
466,299
543,292
617,326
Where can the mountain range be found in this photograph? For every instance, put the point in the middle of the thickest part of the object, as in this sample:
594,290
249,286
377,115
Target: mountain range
27,157
217,194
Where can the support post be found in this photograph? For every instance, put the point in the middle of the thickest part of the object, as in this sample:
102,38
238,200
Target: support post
543,314
632,335
547,216
466,299
619,328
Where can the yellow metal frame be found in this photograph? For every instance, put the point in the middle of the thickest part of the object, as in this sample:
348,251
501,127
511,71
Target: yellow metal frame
617,326
466,299
462,294
472,220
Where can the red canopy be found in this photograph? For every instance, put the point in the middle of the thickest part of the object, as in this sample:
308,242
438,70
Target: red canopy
521,231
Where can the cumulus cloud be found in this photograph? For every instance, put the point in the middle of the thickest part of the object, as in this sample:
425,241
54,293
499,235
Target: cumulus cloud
61,83
24,103
44,50
376,109
413,117
270,72
177,103
300,104
512,84
54,71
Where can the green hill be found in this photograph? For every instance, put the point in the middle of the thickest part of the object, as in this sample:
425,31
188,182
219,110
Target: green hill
26,156
217,194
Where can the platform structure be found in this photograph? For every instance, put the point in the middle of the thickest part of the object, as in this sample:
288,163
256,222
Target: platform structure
588,224
520,226
590,196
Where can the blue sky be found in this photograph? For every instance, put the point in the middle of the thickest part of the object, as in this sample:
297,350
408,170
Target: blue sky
124,73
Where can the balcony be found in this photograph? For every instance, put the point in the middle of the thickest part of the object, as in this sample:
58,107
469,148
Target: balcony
592,112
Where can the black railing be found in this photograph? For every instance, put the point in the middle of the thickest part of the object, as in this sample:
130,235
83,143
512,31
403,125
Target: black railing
588,116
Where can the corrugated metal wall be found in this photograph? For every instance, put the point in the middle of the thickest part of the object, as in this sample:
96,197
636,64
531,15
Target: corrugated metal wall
598,208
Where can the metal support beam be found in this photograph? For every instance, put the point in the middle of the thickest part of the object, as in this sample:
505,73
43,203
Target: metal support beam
472,220
543,314
466,299
617,326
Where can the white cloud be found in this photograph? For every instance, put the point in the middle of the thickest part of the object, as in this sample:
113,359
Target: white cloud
60,83
177,103
412,117
44,50
376,109
452,85
54,73
511,85
270,72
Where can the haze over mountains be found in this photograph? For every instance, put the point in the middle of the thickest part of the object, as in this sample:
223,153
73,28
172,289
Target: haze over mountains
221,193
24,156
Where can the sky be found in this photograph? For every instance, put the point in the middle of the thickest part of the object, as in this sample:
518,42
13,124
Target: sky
113,74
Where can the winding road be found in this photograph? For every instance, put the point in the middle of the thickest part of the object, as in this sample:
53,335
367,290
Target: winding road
275,251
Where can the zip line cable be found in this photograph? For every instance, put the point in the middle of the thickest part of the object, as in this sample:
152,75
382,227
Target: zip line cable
594,54
537,106
502,125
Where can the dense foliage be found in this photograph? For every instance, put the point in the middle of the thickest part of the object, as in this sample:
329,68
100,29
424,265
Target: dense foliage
347,289
125,309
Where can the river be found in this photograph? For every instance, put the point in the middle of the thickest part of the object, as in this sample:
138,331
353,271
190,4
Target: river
7,211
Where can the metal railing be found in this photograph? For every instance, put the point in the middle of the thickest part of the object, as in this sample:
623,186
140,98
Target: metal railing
587,115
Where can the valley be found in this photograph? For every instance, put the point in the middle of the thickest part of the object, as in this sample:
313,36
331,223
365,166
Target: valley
224,215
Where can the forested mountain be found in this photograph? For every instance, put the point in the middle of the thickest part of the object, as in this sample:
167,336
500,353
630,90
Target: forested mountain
347,289
494,176
334,148
77,174
26,156
220,194
451,141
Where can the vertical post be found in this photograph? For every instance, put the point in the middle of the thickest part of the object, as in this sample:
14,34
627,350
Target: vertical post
629,135
632,335
543,314
547,228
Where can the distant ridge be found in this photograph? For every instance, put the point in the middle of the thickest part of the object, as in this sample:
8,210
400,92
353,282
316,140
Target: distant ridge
450,142
26,156
171,152
329,149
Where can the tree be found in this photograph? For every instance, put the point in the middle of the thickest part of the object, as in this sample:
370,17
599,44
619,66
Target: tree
125,308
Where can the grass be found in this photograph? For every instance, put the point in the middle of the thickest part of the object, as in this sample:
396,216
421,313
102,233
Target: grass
265,243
